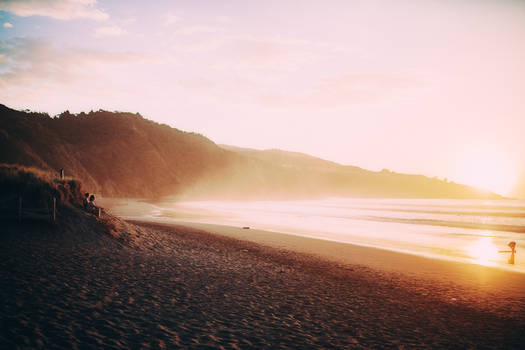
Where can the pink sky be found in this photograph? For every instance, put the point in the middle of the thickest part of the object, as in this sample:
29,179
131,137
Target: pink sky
427,87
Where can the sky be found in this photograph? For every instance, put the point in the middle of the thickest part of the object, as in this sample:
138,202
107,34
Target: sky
432,87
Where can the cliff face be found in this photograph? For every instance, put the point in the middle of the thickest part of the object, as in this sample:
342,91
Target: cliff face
124,155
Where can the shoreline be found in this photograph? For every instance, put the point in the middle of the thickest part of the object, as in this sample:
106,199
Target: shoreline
449,241
490,278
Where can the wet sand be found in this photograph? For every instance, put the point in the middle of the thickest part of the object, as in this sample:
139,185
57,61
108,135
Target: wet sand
172,286
472,276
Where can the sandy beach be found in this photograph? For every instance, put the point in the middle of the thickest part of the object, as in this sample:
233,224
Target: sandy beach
148,285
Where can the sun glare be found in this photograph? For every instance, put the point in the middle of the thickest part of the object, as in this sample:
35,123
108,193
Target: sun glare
488,171
483,251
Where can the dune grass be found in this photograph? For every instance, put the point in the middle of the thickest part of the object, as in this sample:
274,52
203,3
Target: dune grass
36,187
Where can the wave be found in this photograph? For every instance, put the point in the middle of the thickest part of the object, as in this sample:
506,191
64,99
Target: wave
508,214
458,224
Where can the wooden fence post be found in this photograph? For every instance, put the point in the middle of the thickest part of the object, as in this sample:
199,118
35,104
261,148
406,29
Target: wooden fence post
20,209
54,209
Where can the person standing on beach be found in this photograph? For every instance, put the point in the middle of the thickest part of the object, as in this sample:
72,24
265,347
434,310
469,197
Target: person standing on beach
512,246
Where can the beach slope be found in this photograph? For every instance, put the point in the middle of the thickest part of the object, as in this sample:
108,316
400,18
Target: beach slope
115,284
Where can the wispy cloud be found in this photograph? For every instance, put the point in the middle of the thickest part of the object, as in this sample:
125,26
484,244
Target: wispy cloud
240,52
191,30
344,90
275,53
58,9
8,25
33,65
170,19
113,30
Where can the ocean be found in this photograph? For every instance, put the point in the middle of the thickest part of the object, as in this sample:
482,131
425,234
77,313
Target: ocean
472,231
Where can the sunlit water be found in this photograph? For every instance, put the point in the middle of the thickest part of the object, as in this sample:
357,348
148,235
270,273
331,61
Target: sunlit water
466,230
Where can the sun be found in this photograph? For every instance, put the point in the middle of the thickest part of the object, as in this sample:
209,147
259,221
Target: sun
489,171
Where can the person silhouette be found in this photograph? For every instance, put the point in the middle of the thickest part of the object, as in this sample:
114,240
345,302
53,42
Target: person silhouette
85,200
91,204
512,252
512,246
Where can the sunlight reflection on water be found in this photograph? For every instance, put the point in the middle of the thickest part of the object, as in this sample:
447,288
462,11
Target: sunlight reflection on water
484,252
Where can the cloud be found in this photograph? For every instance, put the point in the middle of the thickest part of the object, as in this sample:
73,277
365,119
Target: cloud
345,90
219,87
58,9
36,73
33,63
242,52
110,31
276,53
368,82
170,19
191,30
8,25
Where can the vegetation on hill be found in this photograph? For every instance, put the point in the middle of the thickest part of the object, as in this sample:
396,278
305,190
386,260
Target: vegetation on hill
116,154
36,187
125,155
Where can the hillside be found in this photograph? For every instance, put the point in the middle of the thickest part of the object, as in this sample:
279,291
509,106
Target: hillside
287,159
125,155
306,176
118,154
